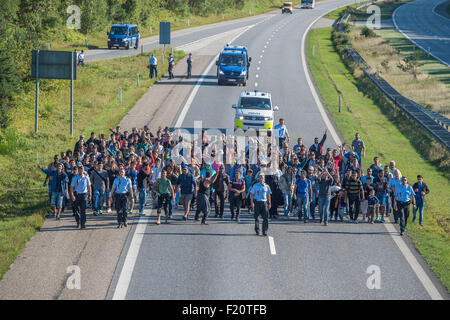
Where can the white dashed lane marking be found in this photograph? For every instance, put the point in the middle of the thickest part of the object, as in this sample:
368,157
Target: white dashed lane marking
273,251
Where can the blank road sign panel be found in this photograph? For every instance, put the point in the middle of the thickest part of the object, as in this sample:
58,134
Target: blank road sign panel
164,33
54,64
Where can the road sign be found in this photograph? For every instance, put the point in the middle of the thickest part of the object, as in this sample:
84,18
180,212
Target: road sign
54,65
164,33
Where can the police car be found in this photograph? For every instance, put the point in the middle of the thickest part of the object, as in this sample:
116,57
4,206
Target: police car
254,111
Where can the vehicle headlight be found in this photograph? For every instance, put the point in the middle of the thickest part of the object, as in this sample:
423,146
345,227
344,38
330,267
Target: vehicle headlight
109,39
243,73
268,119
240,117
125,40
220,72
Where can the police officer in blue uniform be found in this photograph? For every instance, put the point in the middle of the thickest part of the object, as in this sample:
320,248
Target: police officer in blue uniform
260,202
122,189
81,193
171,64
402,201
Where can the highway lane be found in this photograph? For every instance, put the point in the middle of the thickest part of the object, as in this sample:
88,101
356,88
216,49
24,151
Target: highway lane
225,260
419,22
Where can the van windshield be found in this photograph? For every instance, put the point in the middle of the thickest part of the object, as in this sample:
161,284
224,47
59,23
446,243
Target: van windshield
232,60
119,31
255,103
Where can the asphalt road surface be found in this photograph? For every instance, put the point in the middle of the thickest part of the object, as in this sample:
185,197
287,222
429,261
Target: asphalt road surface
226,260
419,21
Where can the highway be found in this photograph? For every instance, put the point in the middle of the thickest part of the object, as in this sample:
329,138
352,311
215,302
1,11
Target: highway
423,25
226,260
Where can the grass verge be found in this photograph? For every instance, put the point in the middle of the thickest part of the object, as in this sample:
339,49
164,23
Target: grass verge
390,135
23,200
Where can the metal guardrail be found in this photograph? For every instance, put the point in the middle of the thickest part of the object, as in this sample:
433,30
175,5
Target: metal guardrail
435,124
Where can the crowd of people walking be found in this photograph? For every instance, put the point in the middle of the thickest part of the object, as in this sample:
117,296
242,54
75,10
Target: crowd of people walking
128,171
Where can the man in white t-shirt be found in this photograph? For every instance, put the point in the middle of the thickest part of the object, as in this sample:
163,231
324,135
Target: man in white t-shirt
281,132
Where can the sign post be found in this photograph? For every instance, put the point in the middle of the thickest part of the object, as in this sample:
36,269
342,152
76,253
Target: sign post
46,64
36,117
71,94
164,36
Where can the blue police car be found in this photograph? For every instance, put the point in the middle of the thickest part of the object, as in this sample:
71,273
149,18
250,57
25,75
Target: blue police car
233,65
123,35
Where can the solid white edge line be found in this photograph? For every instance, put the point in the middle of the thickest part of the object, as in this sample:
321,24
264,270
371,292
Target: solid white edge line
407,37
193,93
404,249
417,268
272,246
123,283
434,9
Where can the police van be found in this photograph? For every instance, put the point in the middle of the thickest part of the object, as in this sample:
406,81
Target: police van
233,65
123,35
254,111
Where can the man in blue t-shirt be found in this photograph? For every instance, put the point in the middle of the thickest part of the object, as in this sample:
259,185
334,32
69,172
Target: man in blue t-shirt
186,182
303,193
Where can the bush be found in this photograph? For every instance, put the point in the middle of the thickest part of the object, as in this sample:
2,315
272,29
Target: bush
368,33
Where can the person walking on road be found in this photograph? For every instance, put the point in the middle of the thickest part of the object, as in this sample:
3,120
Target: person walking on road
420,189
189,66
153,66
355,194
303,194
165,193
204,191
171,65
281,132
59,188
381,186
261,202
317,147
325,181
359,147
143,184
221,181
122,189
372,204
188,185
236,188
402,201
100,184
394,185
287,185
81,193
